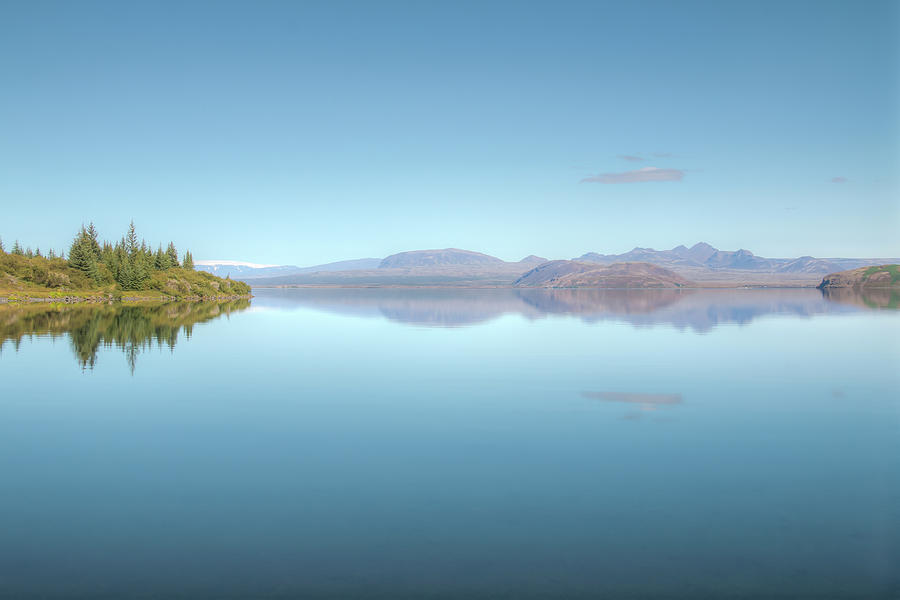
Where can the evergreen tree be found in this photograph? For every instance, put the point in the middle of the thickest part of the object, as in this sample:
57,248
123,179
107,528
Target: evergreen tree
173,254
105,252
51,254
2,249
17,249
110,259
188,262
131,245
37,251
115,260
135,263
81,255
145,259
92,240
161,260
29,253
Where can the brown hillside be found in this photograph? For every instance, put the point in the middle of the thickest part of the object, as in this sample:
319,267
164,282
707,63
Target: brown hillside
883,276
573,274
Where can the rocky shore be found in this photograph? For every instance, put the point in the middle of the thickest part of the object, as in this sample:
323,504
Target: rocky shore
882,276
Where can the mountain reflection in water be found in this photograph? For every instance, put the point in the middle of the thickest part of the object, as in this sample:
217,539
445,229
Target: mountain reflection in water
699,310
129,327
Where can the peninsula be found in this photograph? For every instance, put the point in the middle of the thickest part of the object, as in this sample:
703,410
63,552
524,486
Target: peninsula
879,276
128,269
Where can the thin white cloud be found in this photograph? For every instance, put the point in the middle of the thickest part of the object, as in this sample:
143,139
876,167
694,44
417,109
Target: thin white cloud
838,180
643,175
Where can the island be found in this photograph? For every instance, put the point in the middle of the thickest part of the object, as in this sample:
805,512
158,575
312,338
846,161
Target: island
94,271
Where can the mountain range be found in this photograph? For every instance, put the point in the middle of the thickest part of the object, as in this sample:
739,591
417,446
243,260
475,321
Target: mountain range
247,271
703,255
700,263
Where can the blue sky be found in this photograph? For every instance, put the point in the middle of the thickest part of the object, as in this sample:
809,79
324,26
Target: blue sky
300,133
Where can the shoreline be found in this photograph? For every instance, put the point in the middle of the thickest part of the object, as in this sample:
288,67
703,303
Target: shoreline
19,299
810,286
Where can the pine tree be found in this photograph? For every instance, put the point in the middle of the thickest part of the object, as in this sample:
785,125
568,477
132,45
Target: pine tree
131,245
115,261
161,260
37,251
29,253
109,258
2,249
81,255
17,249
51,254
105,252
92,239
188,262
135,264
173,254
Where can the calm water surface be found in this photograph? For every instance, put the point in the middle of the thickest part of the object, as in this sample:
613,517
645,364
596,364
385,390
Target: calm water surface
453,444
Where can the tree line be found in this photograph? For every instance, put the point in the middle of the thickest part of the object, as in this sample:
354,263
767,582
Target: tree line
127,262
18,250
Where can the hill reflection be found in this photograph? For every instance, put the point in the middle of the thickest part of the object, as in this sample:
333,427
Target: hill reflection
699,310
131,328
875,298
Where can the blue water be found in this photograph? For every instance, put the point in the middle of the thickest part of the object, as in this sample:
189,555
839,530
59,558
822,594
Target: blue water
457,444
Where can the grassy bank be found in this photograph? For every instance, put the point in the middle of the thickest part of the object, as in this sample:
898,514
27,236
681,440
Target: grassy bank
26,279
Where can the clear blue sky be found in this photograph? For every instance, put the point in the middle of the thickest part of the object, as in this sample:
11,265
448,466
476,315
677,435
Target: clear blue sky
300,133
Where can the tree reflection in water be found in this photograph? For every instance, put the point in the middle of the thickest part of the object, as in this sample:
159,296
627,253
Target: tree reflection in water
130,327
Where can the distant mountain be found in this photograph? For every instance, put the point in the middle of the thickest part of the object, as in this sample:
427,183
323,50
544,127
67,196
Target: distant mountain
702,255
344,265
699,252
573,274
448,267
247,271
808,264
531,259
740,259
434,258
242,270
453,267
680,255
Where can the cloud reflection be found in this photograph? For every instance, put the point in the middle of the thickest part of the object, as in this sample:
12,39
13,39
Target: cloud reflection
651,401
644,402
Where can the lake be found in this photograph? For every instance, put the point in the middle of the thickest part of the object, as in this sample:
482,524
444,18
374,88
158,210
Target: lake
388,443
